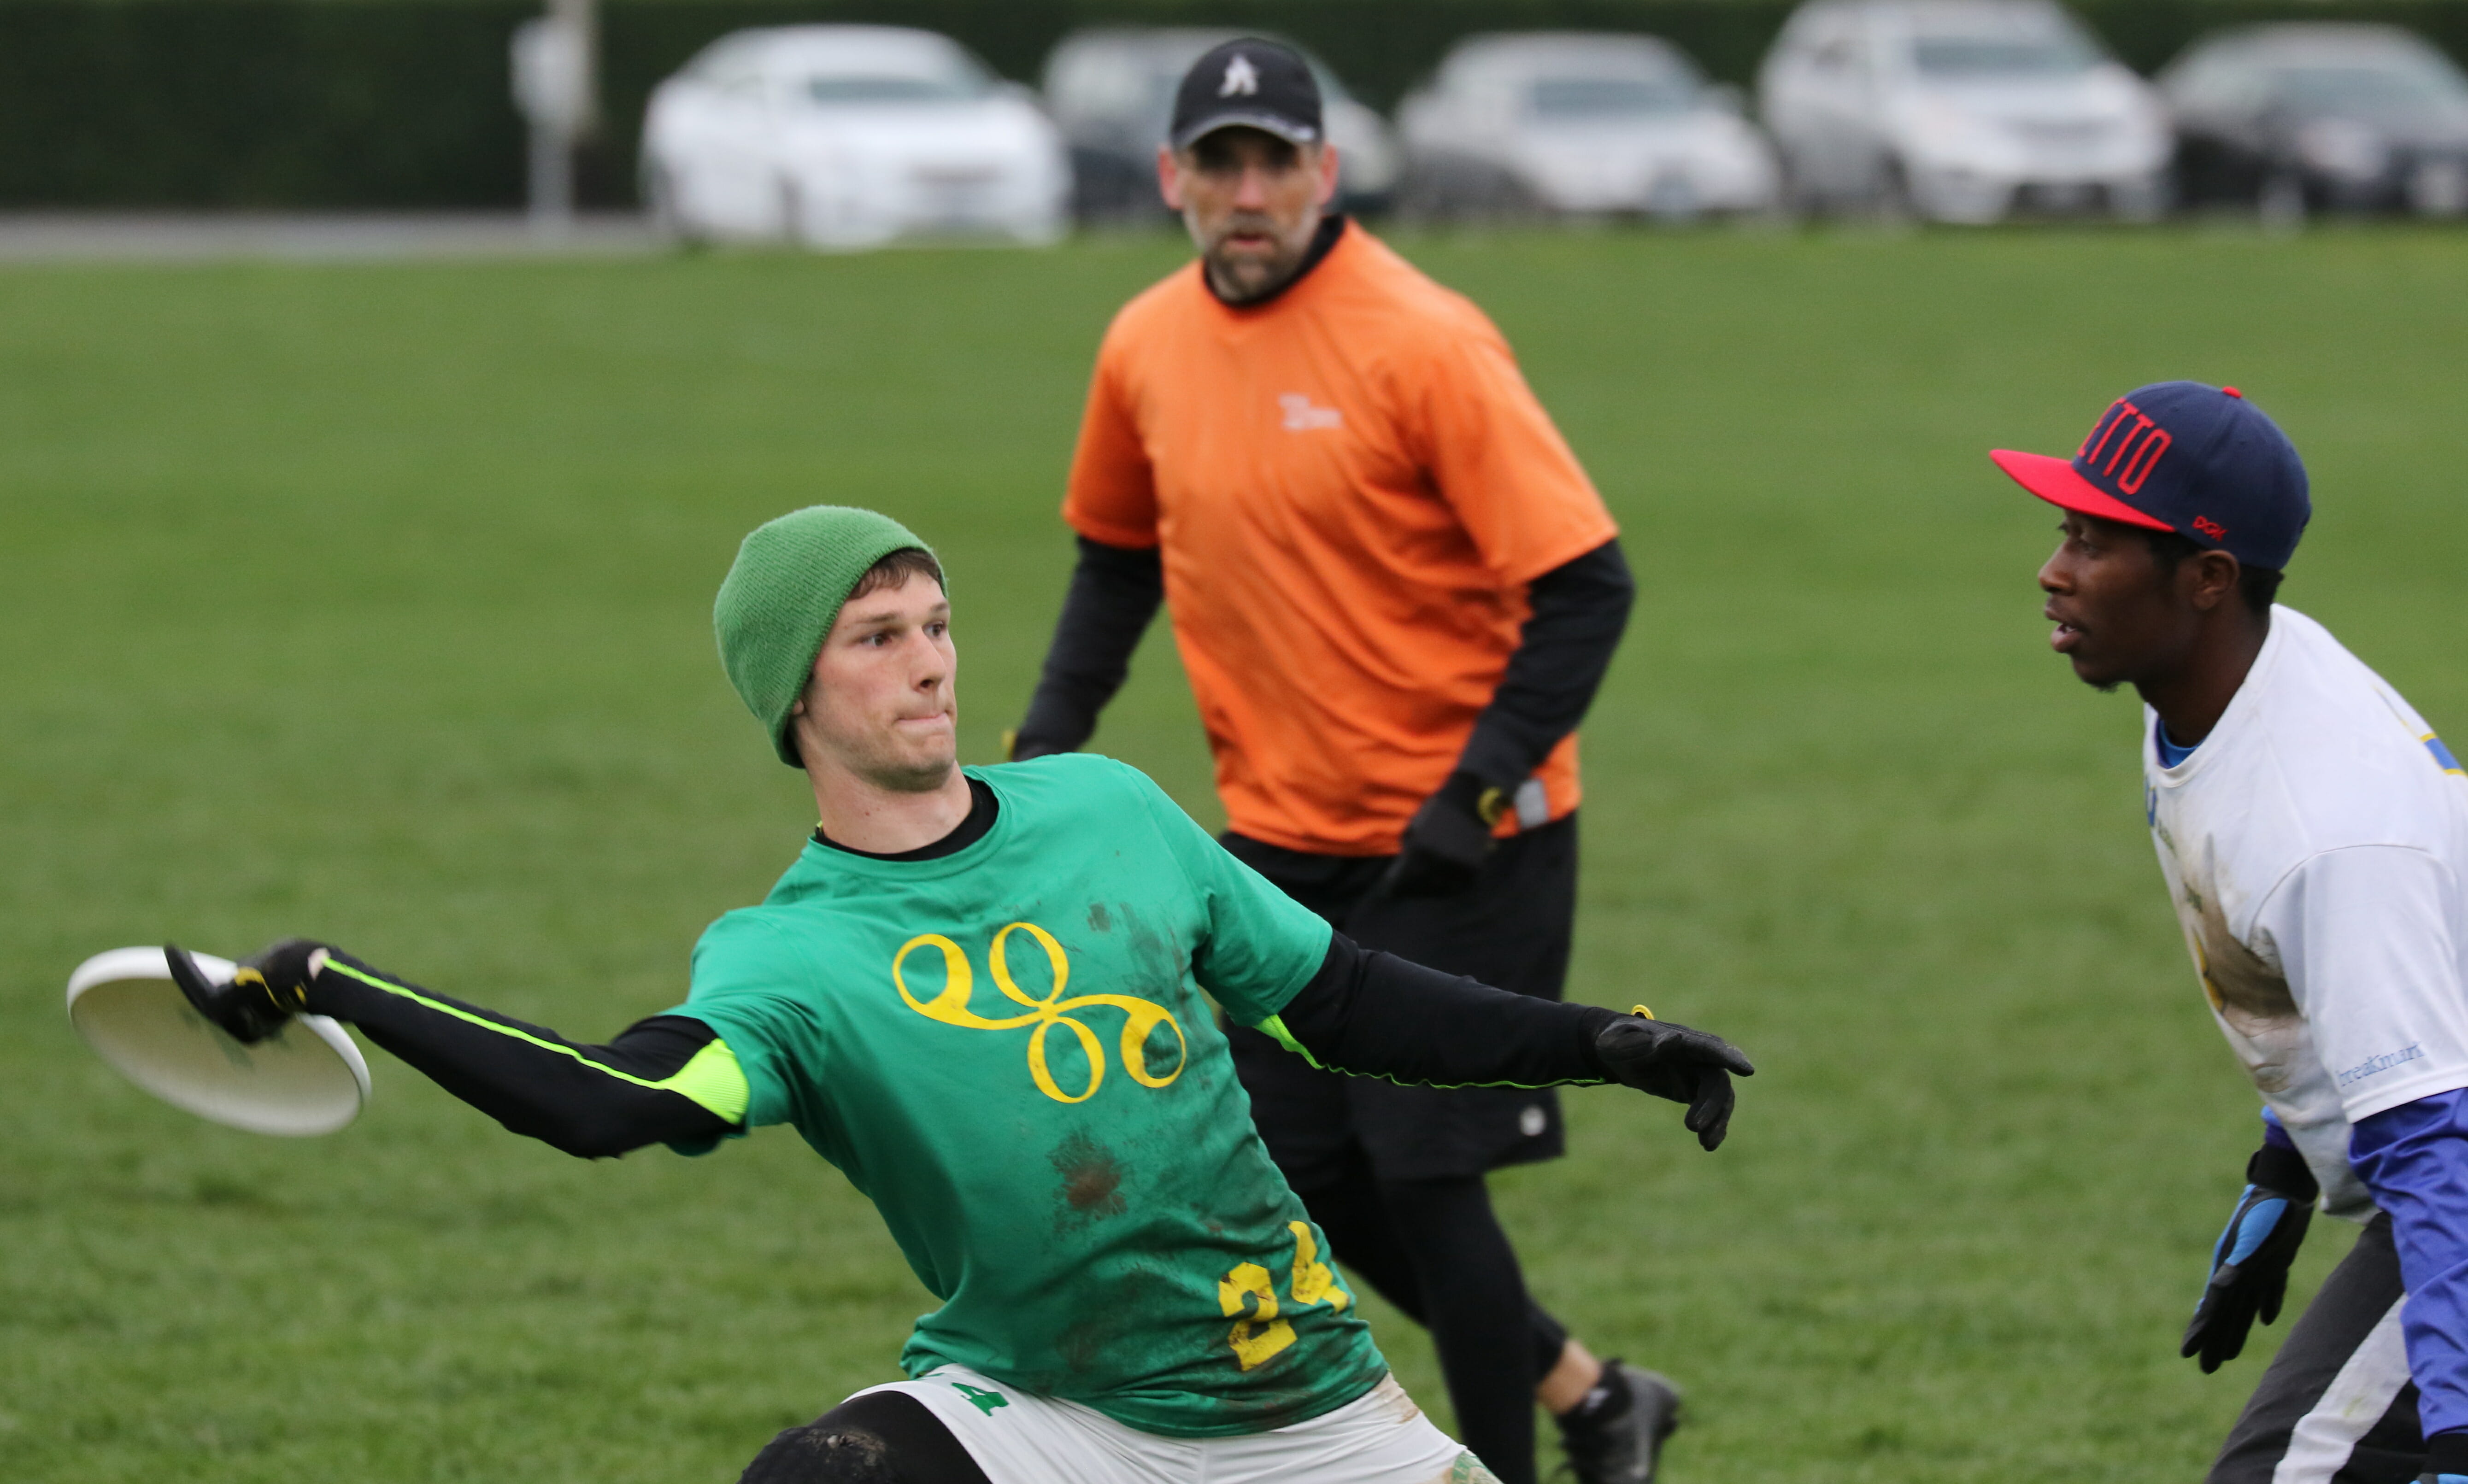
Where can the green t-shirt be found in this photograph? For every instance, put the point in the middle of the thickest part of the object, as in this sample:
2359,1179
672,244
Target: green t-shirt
1006,1049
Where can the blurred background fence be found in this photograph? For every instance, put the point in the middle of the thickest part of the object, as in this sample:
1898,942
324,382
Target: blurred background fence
340,104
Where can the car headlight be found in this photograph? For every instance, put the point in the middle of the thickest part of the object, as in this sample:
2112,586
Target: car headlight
2343,148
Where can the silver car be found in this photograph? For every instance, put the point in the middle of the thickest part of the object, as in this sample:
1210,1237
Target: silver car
1960,110
847,137
1111,89
1579,122
2291,118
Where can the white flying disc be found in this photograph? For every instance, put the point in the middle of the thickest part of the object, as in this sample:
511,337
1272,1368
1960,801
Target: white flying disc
308,1077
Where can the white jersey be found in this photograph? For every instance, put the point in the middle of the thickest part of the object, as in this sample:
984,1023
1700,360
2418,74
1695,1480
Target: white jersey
2316,847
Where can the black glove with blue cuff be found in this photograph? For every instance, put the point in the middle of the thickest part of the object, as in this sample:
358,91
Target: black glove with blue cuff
2250,1261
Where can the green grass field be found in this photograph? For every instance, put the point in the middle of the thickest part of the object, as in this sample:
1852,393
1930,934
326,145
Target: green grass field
372,603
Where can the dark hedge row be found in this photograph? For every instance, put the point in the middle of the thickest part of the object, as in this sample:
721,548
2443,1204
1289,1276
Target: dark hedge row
404,103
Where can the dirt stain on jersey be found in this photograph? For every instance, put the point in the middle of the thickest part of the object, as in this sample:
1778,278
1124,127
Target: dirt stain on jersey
1099,921
1092,1182
1119,1324
2242,986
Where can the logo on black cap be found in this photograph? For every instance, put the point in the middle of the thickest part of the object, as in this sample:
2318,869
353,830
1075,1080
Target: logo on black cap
1241,77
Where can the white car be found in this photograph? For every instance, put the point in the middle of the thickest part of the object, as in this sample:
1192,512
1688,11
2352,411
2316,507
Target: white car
1580,123
1112,90
1960,110
848,137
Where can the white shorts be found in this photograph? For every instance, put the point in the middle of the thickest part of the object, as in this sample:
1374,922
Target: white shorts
1380,1437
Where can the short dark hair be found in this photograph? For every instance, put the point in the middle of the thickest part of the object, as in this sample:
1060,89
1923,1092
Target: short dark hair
896,569
2258,586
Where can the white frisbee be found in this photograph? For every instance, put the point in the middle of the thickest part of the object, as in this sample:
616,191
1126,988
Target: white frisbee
308,1077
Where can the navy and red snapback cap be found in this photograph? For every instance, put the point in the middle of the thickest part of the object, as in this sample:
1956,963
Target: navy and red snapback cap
2182,456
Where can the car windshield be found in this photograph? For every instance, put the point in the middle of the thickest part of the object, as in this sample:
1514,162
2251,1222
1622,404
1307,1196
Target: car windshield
2367,87
1611,97
890,87
2045,55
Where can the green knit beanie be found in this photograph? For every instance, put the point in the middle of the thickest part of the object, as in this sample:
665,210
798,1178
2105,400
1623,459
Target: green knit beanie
780,596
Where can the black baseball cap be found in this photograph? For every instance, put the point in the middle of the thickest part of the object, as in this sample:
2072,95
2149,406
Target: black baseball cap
1255,84
2183,456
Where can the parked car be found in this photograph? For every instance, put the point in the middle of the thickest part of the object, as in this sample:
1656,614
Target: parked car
1575,121
2298,117
1960,110
1111,89
850,136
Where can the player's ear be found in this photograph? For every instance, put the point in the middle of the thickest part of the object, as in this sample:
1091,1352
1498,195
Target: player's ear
2209,578
1169,178
1326,166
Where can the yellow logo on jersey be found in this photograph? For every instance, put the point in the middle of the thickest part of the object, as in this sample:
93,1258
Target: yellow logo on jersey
950,1006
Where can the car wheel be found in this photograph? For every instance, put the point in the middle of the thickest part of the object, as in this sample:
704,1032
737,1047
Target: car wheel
660,205
792,216
2438,188
1457,189
1797,198
1672,200
1419,196
2281,203
2143,199
1891,202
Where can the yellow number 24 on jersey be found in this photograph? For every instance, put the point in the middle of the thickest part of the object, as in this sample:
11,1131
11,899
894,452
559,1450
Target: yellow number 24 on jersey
1248,1292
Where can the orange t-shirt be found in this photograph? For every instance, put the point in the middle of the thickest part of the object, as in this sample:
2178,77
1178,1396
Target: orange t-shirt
1352,485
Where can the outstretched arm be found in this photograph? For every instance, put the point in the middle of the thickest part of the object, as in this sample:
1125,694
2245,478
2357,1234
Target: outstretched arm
1373,1013
668,1080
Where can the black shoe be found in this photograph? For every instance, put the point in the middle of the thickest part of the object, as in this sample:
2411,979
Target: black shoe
1617,1438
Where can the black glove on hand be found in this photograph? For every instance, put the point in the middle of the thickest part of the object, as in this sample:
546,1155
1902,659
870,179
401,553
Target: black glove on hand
1446,840
265,992
1671,1060
2250,1261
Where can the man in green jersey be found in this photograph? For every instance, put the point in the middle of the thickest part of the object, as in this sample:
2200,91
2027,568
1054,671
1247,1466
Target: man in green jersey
984,996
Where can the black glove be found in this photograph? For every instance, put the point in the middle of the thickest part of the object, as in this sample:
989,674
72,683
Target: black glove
2250,1261
2446,1459
1446,841
265,992
1671,1060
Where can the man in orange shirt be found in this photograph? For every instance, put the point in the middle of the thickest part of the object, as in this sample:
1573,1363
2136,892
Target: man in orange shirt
1395,591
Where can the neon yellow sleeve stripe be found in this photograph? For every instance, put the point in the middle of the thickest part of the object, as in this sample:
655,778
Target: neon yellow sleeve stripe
1275,1027
711,1078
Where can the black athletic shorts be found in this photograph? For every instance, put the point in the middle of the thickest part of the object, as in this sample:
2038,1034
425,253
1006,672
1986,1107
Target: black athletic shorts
1511,931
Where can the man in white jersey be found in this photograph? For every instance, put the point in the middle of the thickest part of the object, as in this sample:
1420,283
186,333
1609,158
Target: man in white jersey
2313,832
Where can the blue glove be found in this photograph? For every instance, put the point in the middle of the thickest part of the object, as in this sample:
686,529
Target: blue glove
2249,1269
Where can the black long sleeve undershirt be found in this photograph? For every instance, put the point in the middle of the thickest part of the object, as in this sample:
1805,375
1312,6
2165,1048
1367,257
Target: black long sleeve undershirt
590,1102
1576,615
1368,1014
1371,1014
1114,593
